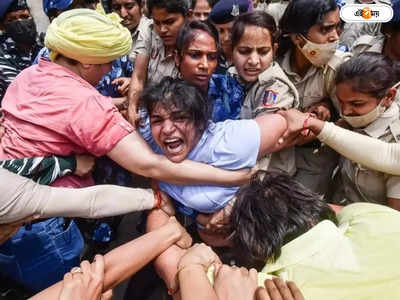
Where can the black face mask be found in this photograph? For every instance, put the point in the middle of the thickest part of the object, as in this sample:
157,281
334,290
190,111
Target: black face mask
22,31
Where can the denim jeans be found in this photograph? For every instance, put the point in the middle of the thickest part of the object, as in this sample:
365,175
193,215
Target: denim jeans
39,254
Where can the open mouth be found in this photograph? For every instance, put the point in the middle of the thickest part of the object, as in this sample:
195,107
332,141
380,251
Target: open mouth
252,71
174,145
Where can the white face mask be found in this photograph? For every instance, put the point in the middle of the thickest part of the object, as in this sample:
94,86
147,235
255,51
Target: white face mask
318,54
364,120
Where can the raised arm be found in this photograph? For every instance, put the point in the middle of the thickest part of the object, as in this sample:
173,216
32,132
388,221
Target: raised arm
135,155
136,254
138,81
375,154
21,197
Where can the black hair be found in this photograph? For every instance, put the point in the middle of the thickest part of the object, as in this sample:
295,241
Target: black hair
188,33
270,211
299,17
370,73
108,6
171,6
255,18
211,3
183,95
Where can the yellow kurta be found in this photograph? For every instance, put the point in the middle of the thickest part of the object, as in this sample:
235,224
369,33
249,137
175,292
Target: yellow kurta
359,259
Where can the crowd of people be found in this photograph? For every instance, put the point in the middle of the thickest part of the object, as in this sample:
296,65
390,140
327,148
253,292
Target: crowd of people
255,141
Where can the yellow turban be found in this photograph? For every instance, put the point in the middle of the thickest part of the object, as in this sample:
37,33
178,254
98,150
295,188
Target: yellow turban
88,37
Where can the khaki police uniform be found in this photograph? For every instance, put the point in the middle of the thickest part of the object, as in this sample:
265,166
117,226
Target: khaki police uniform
315,164
160,64
368,43
360,184
142,29
272,90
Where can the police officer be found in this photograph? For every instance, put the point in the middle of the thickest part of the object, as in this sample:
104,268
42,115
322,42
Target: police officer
155,51
308,55
223,15
374,114
21,46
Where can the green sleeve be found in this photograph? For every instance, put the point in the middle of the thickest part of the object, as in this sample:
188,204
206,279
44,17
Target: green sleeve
44,170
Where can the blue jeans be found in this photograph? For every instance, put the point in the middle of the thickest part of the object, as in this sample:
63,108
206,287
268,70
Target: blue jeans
39,255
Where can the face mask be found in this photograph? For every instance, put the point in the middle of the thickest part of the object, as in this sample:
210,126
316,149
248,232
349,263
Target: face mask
318,54
22,31
364,120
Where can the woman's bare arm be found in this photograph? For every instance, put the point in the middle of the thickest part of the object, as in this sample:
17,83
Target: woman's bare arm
135,155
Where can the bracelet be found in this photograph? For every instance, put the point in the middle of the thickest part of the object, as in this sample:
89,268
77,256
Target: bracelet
157,197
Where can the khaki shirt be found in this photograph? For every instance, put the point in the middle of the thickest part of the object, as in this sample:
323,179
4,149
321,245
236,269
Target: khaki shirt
144,30
368,43
273,90
160,64
318,84
360,184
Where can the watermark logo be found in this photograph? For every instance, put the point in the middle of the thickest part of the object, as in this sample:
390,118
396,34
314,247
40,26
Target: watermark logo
378,13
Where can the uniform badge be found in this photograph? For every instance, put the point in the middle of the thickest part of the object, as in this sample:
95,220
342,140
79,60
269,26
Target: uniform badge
235,10
270,97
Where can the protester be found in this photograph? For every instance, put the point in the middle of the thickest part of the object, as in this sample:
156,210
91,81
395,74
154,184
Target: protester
86,121
230,282
90,280
28,198
179,128
296,237
136,254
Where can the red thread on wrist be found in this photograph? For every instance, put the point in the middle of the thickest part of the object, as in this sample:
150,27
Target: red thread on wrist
305,124
157,194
